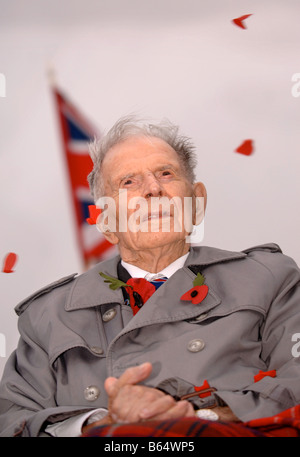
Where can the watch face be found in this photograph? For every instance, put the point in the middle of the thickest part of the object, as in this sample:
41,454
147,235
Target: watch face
207,414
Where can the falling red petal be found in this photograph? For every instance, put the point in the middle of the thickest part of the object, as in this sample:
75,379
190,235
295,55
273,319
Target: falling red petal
239,21
245,148
9,262
94,213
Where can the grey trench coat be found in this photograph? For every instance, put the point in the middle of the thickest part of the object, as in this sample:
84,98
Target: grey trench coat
77,331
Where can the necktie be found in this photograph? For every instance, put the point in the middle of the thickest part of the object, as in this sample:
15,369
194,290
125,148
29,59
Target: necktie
157,280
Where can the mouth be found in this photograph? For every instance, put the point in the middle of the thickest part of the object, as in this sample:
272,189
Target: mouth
156,215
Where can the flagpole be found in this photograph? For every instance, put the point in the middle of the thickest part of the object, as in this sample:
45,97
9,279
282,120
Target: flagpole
75,128
57,100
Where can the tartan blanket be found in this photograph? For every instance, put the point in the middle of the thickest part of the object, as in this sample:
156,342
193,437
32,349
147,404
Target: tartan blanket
284,424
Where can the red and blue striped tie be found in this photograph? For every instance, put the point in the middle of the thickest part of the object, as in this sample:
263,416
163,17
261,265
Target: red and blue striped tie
156,280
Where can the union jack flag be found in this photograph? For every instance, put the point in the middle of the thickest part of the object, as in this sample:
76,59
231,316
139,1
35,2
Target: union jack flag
77,132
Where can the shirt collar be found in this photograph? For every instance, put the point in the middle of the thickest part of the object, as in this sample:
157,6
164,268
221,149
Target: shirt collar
89,289
136,272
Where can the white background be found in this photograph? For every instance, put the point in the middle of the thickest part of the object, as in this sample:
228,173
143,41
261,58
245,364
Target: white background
180,59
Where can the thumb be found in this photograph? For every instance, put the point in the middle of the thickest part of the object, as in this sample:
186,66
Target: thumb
135,374
131,376
109,384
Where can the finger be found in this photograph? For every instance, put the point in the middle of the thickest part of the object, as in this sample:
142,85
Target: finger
125,404
157,407
130,400
132,375
180,409
109,385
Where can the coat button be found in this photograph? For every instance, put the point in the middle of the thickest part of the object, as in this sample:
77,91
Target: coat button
91,393
201,317
96,350
109,315
196,345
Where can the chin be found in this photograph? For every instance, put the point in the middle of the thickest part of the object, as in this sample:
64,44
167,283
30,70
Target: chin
150,240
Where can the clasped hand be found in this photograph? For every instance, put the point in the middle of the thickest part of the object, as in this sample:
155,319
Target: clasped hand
130,402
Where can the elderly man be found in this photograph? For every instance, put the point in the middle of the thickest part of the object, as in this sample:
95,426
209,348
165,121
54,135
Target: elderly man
213,340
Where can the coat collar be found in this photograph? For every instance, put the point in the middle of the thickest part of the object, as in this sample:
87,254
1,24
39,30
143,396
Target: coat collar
89,289
204,255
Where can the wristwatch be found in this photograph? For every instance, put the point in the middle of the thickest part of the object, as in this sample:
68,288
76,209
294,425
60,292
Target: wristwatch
207,414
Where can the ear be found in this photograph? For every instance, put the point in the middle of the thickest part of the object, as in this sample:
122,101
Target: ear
106,222
109,235
199,191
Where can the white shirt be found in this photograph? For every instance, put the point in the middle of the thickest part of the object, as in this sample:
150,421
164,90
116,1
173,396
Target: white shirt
73,425
137,272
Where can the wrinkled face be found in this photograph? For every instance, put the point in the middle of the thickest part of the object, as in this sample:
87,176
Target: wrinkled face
143,175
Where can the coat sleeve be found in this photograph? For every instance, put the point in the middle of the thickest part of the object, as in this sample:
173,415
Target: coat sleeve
277,387
27,393
28,387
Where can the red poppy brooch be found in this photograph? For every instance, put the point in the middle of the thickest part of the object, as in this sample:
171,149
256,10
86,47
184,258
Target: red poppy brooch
197,293
138,289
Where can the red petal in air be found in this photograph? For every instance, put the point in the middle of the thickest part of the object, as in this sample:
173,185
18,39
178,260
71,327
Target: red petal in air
245,148
239,21
9,262
94,213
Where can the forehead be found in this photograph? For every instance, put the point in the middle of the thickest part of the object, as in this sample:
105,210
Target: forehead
135,147
136,154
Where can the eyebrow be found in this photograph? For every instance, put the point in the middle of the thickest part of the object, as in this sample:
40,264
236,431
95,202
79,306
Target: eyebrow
129,175
158,168
166,167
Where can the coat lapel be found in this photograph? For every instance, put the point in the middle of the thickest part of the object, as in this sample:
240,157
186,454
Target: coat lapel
165,304
90,290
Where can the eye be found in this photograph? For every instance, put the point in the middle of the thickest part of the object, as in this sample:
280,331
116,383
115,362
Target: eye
127,182
166,173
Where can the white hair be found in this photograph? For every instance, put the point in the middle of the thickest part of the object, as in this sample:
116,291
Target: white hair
130,126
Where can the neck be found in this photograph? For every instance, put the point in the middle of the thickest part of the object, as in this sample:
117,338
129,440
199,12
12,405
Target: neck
155,259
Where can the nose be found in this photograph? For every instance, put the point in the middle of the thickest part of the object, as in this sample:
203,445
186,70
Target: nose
152,187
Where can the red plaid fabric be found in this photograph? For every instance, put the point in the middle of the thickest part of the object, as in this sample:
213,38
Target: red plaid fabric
285,424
